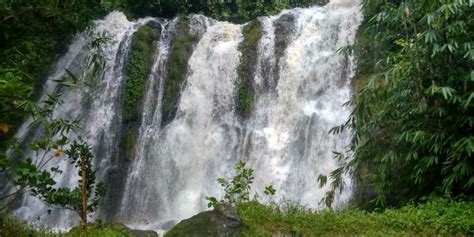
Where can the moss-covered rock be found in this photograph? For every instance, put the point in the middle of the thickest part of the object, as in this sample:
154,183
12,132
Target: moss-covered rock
252,33
224,221
284,26
140,60
182,45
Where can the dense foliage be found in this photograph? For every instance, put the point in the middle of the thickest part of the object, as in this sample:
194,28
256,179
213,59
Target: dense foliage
234,11
436,217
32,34
413,116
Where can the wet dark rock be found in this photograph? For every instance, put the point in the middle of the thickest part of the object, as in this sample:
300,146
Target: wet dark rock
143,233
284,26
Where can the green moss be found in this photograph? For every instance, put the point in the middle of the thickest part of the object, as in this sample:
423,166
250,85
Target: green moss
140,60
130,143
252,33
182,45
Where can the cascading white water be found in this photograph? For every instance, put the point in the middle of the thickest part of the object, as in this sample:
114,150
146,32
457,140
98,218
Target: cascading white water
285,140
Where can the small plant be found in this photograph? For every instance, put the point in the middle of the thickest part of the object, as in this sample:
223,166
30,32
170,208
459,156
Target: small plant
237,189
269,190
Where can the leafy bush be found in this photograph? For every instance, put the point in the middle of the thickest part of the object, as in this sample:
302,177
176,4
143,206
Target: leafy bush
237,189
234,11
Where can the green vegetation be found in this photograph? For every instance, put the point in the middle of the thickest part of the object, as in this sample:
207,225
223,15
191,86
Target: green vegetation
21,174
236,189
412,118
32,35
130,143
433,218
99,229
140,60
234,11
10,226
252,33
182,45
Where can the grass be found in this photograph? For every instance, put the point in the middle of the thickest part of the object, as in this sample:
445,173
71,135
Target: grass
436,217
10,226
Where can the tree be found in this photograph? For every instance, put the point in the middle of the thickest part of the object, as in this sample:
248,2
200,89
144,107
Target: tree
413,117
31,176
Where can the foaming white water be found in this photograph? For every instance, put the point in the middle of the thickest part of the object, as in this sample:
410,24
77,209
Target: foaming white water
264,76
285,140
292,144
191,148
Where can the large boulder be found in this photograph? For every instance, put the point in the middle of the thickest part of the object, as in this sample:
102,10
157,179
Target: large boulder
222,222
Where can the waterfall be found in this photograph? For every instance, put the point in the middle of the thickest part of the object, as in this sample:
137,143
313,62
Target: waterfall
299,91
